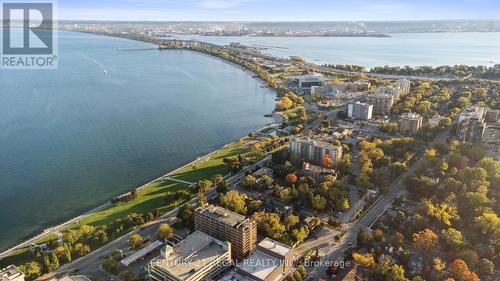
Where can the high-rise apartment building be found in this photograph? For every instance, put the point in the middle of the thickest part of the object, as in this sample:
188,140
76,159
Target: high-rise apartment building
229,226
410,123
382,103
360,110
310,150
471,125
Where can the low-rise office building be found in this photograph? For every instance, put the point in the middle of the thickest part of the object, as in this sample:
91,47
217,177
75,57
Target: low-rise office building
318,173
360,110
314,151
229,226
308,80
410,123
11,273
198,257
492,115
72,278
271,261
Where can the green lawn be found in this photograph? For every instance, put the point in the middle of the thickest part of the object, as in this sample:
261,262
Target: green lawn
292,114
149,198
205,169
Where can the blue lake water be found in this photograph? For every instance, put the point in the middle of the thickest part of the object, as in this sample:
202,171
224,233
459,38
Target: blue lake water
72,138
412,49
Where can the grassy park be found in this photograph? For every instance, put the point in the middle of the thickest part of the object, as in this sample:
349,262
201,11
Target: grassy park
151,197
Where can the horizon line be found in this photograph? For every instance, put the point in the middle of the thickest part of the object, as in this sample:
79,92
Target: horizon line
283,21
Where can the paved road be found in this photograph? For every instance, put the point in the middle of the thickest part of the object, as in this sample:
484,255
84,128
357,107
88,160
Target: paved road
89,265
368,218
324,241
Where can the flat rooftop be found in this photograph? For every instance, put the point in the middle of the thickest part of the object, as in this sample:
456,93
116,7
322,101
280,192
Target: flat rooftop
315,142
234,276
410,115
192,254
139,254
275,247
74,278
471,112
259,264
223,215
10,272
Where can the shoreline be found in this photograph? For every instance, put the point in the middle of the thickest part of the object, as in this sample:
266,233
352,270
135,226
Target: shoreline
51,230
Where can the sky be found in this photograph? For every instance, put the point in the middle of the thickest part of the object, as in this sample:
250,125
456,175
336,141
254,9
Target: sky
277,10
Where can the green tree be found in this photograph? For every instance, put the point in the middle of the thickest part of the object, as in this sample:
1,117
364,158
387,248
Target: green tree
488,223
32,270
302,270
300,234
485,267
128,276
249,182
469,256
318,202
254,206
217,179
81,249
290,221
186,215
47,266
396,273
442,212
234,201
204,185
54,261
165,231
297,276
452,238
269,224
398,240
67,253
135,241
490,165
110,265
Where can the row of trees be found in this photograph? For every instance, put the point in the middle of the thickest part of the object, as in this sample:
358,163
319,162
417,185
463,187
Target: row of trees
81,241
288,101
440,71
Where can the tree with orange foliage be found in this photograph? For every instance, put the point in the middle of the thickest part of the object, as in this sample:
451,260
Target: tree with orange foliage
327,162
425,240
460,271
291,178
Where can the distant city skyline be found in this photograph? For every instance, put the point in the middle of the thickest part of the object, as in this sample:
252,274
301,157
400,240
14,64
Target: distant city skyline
277,10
